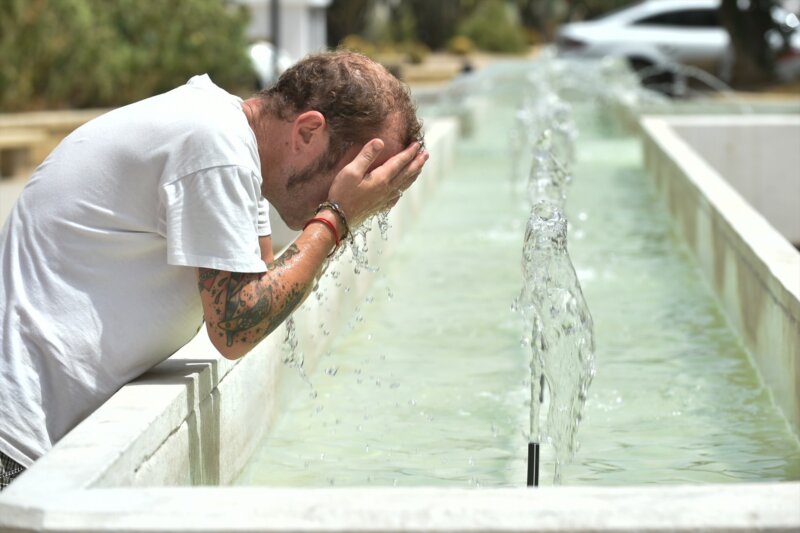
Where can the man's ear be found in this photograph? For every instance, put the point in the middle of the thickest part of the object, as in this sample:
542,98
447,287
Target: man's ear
308,130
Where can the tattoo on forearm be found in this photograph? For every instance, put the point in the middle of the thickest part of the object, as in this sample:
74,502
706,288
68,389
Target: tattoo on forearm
248,309
206,280
287,254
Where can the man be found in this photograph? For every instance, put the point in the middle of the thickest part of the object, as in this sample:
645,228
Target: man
152,218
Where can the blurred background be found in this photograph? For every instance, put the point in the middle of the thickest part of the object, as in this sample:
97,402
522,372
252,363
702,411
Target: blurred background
61,54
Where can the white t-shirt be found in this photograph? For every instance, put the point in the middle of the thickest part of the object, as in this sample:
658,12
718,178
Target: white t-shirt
97,277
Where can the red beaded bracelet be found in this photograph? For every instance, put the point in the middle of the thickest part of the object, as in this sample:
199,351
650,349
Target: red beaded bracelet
330,226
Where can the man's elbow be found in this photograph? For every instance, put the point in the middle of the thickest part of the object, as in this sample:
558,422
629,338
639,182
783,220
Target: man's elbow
231,352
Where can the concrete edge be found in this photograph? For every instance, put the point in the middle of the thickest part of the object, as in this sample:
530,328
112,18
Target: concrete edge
630,115
740,253
736,507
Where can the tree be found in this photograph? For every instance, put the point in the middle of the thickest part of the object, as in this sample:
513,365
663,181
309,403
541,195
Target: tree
437,20
346,17
755,39
494,26
90,53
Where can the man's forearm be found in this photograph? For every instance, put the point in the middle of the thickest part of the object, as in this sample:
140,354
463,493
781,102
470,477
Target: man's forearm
241,309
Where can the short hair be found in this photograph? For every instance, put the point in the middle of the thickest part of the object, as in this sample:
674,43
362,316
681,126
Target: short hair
355,95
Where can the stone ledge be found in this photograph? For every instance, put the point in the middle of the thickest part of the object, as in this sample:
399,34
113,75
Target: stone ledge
751,267
715,508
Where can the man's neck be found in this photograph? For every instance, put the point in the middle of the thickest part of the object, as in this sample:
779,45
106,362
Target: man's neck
264,128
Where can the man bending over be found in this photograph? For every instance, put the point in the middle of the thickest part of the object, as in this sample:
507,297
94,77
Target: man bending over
102,257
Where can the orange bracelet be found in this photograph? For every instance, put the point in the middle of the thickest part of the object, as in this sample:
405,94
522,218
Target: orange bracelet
330,226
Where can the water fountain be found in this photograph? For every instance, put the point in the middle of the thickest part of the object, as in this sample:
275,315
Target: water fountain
677,402
558,326
561,332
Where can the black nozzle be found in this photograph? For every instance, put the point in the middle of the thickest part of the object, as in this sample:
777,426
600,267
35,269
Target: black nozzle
533,464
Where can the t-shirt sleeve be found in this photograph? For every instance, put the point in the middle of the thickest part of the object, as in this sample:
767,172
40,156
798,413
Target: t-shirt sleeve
264,227
213,220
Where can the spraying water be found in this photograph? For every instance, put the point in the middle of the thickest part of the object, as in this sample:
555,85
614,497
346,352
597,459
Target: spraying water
358,247
558,324
561,332
548,178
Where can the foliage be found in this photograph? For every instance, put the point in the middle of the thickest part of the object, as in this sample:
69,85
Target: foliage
356,43
95,53
432,22
345,18
460,45
437,20
388,35
403,26
493,27
416,52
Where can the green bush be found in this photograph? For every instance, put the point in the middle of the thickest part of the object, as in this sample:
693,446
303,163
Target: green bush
416,52
356,43
493,27
97,53
460,45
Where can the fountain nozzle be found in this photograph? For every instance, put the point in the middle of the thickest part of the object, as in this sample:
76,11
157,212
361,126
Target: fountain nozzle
533,464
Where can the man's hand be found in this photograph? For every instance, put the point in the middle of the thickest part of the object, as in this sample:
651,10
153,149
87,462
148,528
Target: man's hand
362,192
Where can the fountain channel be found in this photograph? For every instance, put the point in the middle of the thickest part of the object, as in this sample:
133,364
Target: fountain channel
413,411
430,386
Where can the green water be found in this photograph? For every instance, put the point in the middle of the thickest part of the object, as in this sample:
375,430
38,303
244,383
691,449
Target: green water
430,388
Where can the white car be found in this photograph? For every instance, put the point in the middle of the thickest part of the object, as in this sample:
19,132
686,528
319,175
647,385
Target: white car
664,33
655,32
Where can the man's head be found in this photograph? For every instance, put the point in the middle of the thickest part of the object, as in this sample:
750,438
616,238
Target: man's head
330,105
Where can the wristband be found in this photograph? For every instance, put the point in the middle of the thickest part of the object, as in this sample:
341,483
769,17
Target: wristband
333,206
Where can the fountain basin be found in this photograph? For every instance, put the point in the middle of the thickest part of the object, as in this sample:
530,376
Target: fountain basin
753,269
192,435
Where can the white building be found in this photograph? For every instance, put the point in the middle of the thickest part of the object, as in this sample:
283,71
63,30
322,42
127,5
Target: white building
302,24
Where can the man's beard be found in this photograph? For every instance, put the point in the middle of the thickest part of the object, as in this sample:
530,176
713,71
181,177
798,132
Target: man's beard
321,166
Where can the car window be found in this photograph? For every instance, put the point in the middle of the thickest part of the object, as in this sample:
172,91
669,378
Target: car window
687,18
607,14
